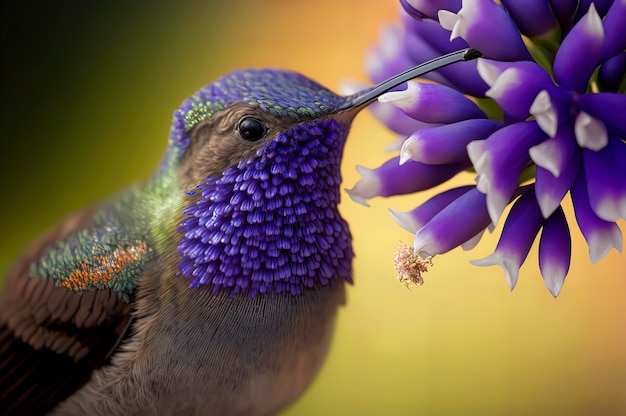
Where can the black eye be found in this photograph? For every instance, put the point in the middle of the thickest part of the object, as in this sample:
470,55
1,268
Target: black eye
251,129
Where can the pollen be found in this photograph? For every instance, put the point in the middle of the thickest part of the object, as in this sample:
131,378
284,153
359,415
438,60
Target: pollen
99,271
410,266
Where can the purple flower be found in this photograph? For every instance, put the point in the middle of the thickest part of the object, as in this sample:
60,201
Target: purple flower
544,107
520,229
391,178
555,251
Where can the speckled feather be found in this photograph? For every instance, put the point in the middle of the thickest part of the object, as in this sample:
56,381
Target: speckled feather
110,252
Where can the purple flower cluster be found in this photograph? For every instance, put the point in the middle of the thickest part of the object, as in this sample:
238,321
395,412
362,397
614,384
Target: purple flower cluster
546,115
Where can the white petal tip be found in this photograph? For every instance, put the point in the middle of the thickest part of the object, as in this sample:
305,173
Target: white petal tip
544,156
611,209
404,99
511,269
554,279
405,220
408,151
503,83
477,154
422,244
547,204
601,243
495,205
394,146
590,132
368,187
447,19
544,113
593,22
487,71
356,197
482,184
362,170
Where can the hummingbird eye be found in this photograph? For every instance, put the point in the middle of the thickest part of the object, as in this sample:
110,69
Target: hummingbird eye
250,129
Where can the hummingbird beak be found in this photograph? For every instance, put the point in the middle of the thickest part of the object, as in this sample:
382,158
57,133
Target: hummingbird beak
357,101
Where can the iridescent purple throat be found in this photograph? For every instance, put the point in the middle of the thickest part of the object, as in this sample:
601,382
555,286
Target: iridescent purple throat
271,224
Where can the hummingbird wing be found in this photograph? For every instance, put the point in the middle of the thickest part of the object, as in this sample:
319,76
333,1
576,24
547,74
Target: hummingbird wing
65,307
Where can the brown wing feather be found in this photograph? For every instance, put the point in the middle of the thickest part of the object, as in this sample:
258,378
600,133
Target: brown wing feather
51,339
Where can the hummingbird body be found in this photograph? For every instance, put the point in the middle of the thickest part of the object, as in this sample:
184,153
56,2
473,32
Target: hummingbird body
209,289
212,354
212,287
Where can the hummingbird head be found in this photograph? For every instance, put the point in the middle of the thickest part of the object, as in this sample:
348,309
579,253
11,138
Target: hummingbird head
258,153
243,112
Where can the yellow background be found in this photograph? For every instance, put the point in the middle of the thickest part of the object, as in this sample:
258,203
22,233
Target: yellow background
87,95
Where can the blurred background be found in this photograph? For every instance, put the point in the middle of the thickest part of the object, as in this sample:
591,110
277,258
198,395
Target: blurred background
88,89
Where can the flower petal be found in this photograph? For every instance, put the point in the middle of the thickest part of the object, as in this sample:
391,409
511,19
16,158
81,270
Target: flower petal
615,41
609,107
516,87
532,17
479,22
590,132
391,178
425,40
500,160
432,103
473,242
612,72
602,6
489,69
430,8
564,11
462,76
606,180
367,187
521,227
417,218
601,236
550,190
411,11
449,20
396,120
458,222
551,109
580,52
557,152
386,113
555,251
447,143
433,34
545,113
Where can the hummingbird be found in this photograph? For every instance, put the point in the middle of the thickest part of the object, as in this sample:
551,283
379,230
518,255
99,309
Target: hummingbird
210,288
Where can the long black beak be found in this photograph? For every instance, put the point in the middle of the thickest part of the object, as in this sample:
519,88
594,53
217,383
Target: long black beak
362,98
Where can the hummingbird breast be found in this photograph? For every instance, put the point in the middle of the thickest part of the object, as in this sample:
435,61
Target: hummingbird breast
206,353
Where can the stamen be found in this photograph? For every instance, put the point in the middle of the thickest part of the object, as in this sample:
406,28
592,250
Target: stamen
410,266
